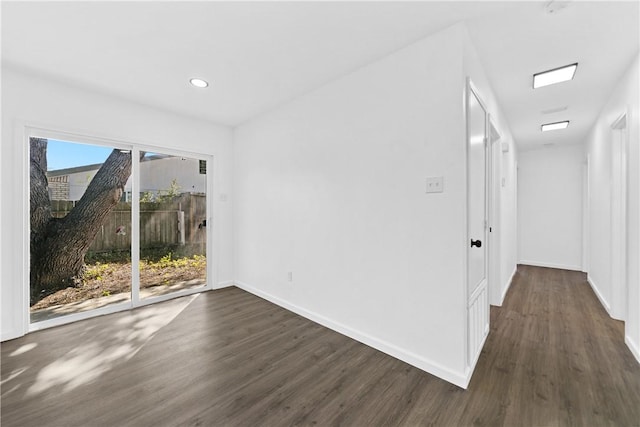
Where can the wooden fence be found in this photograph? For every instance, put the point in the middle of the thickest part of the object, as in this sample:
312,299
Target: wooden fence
177,222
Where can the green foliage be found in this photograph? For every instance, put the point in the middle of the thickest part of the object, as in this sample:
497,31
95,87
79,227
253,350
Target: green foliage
108,257
169,261
162,195
199,261
96,271
149,254
147,197
173,190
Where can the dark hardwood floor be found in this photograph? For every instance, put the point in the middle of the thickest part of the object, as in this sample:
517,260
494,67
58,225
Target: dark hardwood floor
228,358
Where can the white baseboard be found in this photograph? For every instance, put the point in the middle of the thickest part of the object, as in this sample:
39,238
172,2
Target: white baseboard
10,335
225,284
601,298
505,289
635,350
406,356
551,265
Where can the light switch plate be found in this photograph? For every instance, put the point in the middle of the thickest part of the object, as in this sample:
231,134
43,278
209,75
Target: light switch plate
435,184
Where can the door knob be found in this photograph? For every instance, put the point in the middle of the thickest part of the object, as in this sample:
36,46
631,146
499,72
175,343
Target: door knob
476,243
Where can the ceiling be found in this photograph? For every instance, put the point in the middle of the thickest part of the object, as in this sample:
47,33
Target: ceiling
258,55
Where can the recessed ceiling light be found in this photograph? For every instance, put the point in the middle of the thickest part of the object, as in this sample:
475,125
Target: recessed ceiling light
554,110
557,75
198,83
554,126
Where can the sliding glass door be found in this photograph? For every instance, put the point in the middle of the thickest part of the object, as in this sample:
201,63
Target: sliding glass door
80,240
173,224
112,227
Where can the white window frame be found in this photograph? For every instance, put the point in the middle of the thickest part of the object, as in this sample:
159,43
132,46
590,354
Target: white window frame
135,300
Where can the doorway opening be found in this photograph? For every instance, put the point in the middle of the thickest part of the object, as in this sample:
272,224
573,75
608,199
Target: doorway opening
494,156
619,218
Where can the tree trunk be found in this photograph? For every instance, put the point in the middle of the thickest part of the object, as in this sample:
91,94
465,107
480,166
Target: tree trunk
40,203
58,246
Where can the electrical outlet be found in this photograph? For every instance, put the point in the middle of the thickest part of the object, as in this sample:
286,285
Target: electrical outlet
290,276
435,184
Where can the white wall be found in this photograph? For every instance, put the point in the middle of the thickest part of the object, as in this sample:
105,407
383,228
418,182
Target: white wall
504,222
34,101
550,195
624,98
331,187
508,219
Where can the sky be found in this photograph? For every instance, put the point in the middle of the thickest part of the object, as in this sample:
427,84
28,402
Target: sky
62,155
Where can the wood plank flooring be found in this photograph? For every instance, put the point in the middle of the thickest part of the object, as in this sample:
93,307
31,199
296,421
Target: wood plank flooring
228,358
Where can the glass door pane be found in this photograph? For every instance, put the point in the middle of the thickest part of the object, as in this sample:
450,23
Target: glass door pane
80,249
173,212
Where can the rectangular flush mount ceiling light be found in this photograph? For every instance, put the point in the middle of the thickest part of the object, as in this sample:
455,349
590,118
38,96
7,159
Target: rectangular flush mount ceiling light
557,75
554,126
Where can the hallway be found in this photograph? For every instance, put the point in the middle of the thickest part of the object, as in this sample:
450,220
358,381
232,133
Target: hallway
555,357
226,357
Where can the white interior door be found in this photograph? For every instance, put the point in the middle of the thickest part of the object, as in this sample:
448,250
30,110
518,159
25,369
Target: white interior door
477,254
477,208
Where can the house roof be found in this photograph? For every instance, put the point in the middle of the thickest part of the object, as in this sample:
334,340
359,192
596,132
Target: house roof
78,169
96,166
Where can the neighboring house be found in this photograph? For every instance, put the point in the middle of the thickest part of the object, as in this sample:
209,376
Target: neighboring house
70,183
157,173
